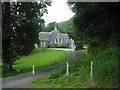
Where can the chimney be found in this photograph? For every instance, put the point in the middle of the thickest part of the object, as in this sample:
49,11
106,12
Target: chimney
55,28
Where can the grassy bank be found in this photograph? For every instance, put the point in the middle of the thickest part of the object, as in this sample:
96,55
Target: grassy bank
39,59
104,75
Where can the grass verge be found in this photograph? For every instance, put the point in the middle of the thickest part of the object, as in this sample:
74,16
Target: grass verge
104,75
37,58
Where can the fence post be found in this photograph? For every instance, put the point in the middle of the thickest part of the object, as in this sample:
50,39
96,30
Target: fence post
33,72
67,71
91,69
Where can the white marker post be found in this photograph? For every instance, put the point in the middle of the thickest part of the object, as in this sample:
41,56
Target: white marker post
33,72
67,71
91,69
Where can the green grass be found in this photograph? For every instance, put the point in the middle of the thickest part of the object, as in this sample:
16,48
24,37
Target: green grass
104,75
39,59
0,62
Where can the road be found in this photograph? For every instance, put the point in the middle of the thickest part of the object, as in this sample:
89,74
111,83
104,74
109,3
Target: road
21,80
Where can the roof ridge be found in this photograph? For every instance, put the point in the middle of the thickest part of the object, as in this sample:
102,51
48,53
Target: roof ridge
64,34
45,32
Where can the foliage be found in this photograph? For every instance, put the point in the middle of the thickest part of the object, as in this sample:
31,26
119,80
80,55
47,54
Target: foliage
67,27
21,26
50,27
104,76
37,58
96,24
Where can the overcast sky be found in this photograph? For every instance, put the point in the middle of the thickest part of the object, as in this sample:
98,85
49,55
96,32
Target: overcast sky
58,11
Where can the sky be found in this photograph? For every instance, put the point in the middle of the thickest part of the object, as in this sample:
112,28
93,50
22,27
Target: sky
58,11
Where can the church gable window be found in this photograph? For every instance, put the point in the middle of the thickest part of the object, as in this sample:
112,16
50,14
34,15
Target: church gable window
60,40
56,40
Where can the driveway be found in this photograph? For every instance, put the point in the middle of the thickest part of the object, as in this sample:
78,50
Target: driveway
71,52
20,81
66,49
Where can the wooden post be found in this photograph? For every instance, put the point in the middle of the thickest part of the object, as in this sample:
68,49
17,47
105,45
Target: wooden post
91,69
67,70
33,72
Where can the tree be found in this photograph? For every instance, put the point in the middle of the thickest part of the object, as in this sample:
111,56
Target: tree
21,27
97,23
50,27
67,27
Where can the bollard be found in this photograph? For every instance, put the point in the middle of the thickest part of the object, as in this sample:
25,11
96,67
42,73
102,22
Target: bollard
91,69
67,71
33,72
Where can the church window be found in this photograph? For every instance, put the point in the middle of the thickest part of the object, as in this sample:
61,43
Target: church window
56,40
60,40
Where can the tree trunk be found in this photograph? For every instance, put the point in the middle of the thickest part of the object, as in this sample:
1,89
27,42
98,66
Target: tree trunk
8,67
6,36
44,49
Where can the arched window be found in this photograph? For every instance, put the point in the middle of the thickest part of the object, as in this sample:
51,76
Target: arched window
60,40
56,40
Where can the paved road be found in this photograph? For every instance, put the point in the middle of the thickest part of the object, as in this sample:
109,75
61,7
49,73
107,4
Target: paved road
21,80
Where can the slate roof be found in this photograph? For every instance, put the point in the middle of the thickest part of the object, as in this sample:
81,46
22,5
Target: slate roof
47,36
72,41
44,35
66,38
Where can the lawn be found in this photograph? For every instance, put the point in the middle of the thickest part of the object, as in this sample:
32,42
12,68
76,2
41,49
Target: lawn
39,59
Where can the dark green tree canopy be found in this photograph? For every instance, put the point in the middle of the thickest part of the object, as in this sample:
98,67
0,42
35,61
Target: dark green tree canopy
96,23
21,25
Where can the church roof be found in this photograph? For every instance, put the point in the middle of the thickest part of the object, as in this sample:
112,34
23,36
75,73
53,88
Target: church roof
72,41
47,36
44,35
66,38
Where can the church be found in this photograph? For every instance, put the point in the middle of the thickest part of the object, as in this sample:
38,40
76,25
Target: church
55,38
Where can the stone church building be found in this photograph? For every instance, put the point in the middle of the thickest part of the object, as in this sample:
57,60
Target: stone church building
55,38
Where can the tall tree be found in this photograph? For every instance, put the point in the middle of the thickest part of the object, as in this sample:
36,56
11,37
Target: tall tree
96,23
50,26
21,27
